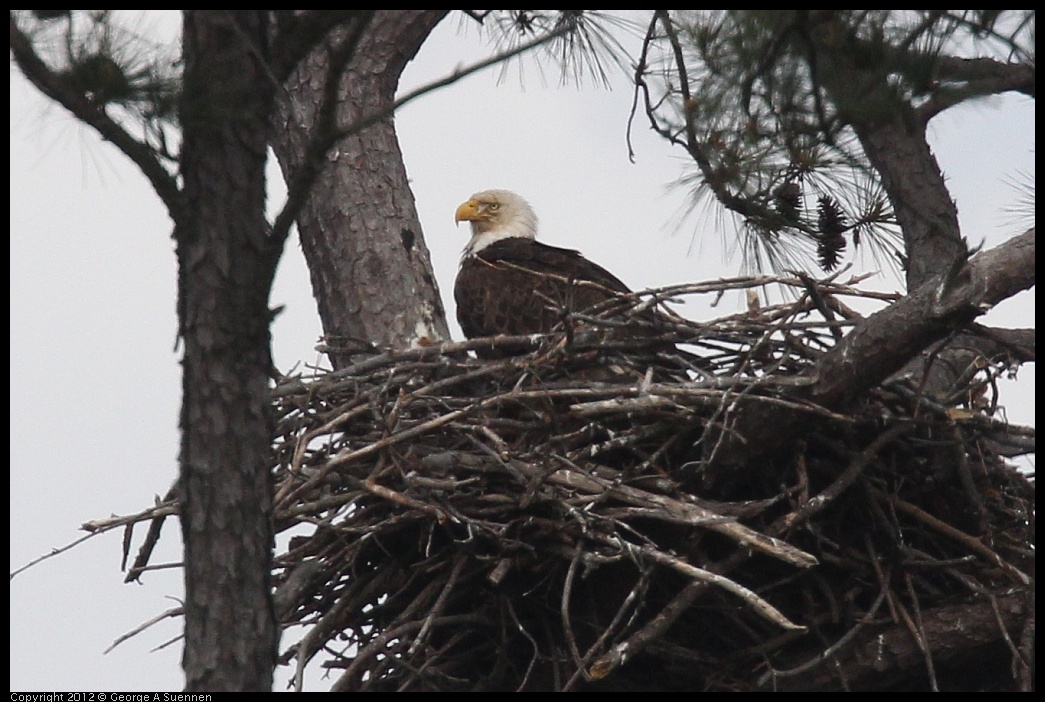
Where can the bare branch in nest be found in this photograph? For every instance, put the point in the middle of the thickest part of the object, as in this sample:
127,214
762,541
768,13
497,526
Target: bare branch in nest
169,614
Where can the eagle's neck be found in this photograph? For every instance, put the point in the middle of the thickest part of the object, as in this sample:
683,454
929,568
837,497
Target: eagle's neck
519,229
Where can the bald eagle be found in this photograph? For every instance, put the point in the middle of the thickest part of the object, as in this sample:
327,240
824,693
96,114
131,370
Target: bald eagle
509,283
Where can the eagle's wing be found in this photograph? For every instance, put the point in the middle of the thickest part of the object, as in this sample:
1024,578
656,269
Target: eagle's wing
520,286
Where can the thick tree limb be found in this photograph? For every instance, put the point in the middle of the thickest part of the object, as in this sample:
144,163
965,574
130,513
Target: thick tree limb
956,636
888,339
969,78
884,342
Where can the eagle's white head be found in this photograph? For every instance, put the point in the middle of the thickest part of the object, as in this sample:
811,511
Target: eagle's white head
496,215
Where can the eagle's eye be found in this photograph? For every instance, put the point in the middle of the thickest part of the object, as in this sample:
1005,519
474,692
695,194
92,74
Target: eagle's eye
495,206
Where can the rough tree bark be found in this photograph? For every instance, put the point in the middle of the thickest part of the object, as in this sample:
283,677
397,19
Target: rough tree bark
231,634
359,229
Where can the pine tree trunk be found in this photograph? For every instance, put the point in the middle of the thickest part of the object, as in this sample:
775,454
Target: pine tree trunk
371,272
231,635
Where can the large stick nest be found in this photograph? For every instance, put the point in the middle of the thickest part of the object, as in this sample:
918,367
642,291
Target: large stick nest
561,519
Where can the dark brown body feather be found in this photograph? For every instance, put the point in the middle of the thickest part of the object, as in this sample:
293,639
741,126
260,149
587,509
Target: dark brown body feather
521,286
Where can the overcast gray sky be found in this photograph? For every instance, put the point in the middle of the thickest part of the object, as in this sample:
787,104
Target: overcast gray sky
95,376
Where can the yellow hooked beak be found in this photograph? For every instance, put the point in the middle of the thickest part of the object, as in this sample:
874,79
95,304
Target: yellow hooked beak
468,212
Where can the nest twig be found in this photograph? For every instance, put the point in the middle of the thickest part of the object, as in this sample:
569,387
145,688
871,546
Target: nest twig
555,520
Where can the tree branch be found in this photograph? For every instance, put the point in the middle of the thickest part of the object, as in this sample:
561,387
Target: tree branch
51,84
970,78
297,35
1014,76
884,342
954,634
716,179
